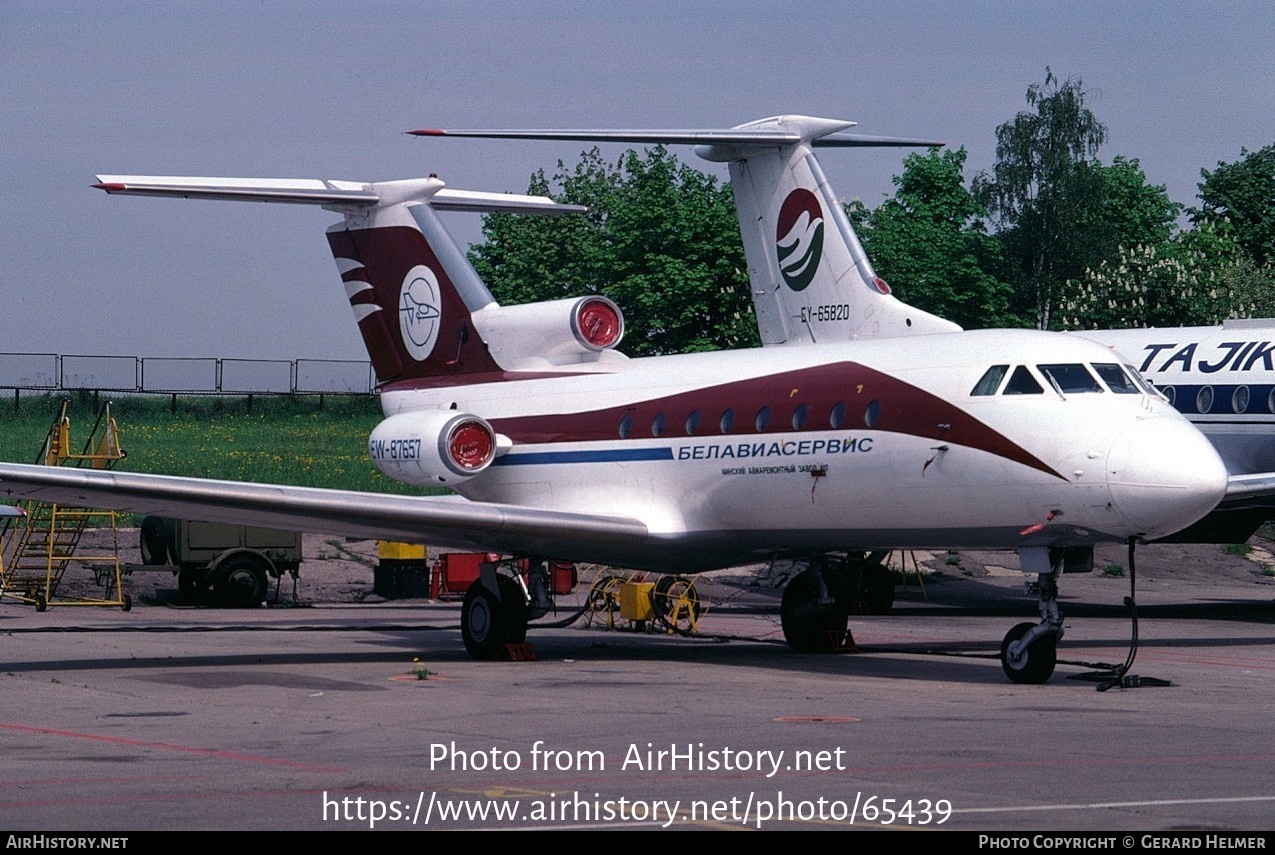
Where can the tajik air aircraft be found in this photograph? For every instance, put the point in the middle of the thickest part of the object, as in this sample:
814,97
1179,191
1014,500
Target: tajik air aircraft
1222,378
863,425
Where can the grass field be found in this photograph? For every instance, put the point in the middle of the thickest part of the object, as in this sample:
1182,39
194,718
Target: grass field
285,440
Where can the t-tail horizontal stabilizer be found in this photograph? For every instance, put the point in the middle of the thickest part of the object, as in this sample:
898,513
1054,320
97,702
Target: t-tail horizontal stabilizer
336,195
425,316
811,280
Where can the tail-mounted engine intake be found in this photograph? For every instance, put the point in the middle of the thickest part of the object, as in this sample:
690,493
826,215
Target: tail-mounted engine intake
555,332
432,448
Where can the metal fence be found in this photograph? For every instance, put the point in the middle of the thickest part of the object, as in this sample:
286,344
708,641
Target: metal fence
51,372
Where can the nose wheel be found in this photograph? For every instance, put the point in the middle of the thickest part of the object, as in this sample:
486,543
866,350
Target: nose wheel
1029,661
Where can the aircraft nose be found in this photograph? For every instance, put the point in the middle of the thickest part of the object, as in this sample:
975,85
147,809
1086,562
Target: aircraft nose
1163,475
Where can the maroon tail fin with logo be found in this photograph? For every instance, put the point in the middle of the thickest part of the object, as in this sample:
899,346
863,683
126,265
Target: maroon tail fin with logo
415,318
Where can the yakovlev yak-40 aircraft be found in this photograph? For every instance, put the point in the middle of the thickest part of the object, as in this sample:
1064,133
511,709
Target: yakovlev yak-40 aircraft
888,428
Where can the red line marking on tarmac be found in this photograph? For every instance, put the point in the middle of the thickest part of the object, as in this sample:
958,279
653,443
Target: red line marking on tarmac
187,749
151,798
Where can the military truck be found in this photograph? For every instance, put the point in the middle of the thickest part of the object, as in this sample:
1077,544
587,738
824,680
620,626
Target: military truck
220,564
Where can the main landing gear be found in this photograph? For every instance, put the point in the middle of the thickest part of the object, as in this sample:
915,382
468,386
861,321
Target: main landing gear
817,603
498,606
491,619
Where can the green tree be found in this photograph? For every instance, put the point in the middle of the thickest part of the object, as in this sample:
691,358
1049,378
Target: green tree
1252,286
1198,277
1239,198
1132,211
1041,185
660,238
930,244
1132,227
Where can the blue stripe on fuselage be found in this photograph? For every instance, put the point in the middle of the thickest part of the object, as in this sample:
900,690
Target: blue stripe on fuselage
606,456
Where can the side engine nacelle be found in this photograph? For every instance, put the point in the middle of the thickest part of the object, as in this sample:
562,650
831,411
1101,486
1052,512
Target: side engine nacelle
433,448
554,332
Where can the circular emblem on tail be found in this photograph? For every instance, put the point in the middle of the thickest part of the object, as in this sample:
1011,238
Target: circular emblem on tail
419,312
799,238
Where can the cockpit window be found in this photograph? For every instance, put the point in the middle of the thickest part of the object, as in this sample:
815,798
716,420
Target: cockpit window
1115,378
1021,382
1143,383
990,381
1071,378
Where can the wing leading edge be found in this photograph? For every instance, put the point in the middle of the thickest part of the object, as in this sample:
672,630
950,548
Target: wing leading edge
1252,488
443,521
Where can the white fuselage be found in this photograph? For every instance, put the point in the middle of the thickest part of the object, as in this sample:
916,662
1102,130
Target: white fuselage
864,445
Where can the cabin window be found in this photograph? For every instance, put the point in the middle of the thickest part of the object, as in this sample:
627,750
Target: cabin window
1021,382
1239,400
838,414
1115,378
799,417
763,419
1171,395
657,425
990,381
1071,378
727,421
692,423
1204,400
872,413
626,426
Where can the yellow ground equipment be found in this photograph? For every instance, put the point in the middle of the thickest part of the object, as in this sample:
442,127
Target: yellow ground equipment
672,601
49,538
635,601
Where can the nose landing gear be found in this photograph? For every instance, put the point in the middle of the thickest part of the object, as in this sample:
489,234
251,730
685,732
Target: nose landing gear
1029,651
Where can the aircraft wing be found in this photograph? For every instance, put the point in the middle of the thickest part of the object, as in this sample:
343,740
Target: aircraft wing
1249,488
442,521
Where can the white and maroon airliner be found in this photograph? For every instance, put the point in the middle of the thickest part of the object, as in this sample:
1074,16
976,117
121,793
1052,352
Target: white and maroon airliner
876,427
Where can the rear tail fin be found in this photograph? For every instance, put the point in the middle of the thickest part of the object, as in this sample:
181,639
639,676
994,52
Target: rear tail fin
413,296
810,278
413,291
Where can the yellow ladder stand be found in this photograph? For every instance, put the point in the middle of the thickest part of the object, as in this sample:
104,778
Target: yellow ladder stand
49,540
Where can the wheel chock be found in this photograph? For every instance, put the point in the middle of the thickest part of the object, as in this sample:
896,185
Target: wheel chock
520,652
843,642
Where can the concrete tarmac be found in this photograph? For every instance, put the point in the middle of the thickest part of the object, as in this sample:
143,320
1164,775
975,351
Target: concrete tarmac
313,718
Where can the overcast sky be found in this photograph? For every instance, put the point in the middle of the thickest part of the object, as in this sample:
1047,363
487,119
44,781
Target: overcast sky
325,90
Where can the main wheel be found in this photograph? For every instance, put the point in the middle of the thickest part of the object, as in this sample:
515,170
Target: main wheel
240,582
876,589
488,623
1036,663
810,627
514,608
192,583
154,541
